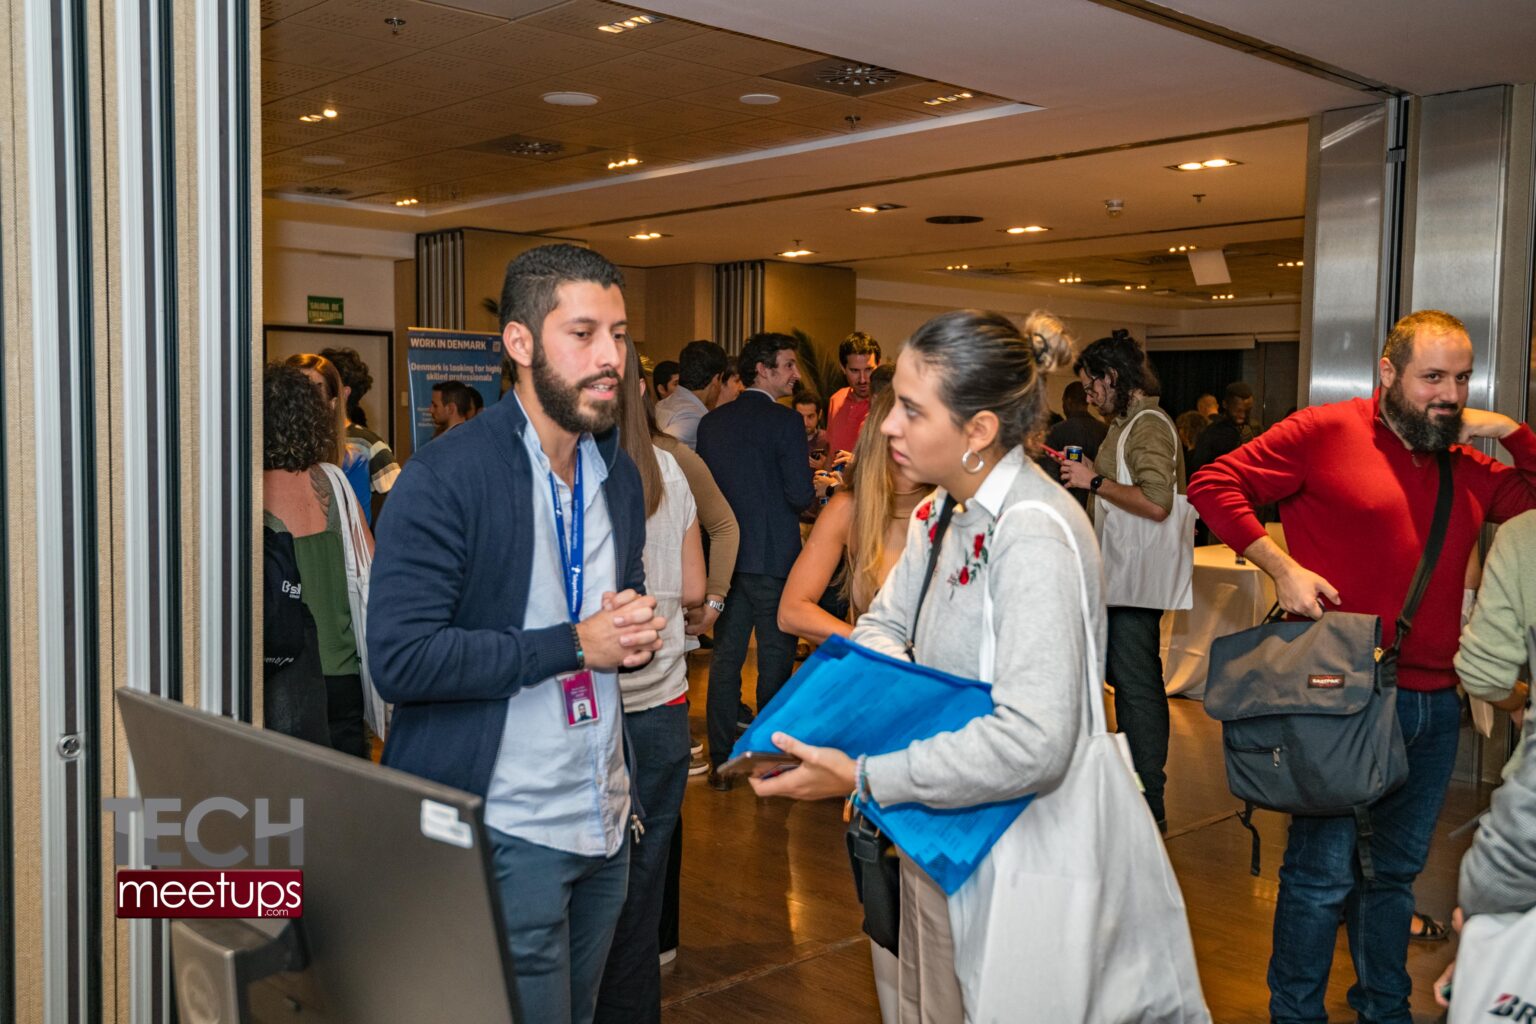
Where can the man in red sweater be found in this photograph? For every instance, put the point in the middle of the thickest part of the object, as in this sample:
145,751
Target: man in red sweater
1356,483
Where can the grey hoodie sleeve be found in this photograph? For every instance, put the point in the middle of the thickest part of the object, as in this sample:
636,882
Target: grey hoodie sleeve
1498,874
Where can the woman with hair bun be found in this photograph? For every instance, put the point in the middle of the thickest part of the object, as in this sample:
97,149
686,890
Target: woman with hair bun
1014,599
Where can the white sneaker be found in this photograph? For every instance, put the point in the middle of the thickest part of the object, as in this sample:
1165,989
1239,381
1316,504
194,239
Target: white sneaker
668,955
698,766
697,750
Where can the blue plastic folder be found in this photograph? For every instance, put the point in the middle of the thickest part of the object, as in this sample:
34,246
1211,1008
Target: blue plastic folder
864,702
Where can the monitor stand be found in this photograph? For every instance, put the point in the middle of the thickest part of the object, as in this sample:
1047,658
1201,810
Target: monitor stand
216,960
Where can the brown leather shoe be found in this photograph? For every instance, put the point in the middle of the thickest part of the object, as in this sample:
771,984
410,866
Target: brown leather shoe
721,782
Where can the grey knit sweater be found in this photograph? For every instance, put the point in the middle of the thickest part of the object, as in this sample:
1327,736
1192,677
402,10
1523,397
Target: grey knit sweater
1027,742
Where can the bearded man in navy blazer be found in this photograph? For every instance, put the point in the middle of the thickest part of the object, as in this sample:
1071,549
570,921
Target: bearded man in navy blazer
757,451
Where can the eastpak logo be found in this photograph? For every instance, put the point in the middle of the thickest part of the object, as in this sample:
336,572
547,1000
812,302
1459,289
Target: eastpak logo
1511,1007
1325,682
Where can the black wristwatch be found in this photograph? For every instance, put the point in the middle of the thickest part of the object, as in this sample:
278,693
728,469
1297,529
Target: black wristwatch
1093,485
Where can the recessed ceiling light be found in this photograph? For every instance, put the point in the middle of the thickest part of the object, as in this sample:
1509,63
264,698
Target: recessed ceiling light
1182,248
796,252
648,236
876,208
954,97
324,161
958,266
1215,163
570,99
329,112
759,99
407,202
614,165
1070,279
1218,298
1291,263
1031,229
630,23
311,118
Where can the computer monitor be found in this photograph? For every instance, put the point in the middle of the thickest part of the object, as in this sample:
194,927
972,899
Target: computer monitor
401,919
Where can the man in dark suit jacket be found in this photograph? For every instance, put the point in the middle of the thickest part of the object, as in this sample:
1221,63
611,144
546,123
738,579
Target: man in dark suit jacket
756,450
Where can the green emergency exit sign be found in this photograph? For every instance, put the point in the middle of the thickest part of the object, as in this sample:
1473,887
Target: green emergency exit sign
326,309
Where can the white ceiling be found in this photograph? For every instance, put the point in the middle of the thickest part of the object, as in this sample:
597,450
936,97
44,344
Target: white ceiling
1113,88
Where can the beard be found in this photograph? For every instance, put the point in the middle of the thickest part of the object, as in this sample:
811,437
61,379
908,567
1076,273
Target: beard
562,401
1422,431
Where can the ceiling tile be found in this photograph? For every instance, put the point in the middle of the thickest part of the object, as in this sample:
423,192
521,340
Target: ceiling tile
383,95
279,135
833,116
728,96
279,79
608,99
358,150
276,10
535,51
291,108
656,75
764,134
293,43
426,24
499,111
581,18
429,134
680,118
445,70
691,149
616,132
737,53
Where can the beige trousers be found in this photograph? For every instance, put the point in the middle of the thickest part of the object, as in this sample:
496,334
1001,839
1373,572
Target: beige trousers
928,991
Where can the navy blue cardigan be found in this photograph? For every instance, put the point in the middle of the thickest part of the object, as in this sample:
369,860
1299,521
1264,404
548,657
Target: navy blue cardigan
449,587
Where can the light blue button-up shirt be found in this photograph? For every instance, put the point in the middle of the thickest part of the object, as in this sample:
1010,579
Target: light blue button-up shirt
560,786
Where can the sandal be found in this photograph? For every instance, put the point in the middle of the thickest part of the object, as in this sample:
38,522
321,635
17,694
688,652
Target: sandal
1430,930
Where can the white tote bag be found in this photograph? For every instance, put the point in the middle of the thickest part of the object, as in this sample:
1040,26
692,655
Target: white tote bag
1146,564
354,542
1075,915
1495,969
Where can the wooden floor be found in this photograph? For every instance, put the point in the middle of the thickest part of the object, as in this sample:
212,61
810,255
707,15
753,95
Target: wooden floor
770,926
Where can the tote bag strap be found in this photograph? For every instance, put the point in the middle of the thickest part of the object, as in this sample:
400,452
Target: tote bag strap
1120,467
1097,725
359,562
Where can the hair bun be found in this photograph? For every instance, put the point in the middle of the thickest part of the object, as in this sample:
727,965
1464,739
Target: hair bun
1049,339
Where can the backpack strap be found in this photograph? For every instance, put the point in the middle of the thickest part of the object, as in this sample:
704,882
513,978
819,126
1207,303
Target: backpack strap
1363,834
1245,816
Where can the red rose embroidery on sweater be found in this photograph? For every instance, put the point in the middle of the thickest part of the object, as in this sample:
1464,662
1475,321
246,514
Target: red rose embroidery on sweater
924,511
981,539
965,575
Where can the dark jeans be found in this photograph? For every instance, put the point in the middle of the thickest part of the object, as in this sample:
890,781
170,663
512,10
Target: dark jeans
1134,667
560,910
753,603
1320,882
344,714
631,989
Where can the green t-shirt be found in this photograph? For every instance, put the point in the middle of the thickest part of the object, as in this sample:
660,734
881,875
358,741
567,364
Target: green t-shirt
323,578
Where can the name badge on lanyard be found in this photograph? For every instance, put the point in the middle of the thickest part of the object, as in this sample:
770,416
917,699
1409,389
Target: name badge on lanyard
578,692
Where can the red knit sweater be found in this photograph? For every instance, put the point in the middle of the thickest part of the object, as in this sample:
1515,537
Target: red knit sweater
1357,505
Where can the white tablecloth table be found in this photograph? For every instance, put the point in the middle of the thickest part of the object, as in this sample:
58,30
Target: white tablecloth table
1229,598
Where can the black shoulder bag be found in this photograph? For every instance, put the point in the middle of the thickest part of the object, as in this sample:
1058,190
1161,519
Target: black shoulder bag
1308,710
876,869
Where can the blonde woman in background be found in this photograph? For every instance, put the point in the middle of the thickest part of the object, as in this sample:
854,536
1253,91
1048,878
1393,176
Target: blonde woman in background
866,522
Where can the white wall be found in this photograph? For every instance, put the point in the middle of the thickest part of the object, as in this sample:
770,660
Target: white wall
357,264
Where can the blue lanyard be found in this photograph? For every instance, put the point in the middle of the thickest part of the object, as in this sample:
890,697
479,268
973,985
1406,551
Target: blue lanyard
573,555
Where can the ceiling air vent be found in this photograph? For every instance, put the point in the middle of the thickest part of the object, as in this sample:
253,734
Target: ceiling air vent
996,270
323,190
528,146
845,77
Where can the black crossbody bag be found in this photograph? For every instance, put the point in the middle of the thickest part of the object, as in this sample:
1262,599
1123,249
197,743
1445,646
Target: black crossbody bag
876,868
1308,710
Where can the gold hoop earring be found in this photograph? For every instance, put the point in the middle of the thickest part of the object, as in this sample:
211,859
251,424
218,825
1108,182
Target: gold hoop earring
965,462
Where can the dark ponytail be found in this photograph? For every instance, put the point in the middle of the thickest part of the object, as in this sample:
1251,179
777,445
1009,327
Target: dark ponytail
986,364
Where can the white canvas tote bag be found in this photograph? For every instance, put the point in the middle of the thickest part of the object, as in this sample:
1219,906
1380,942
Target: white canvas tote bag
1075,915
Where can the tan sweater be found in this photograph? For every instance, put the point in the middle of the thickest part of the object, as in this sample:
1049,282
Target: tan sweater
714,513
1153,450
